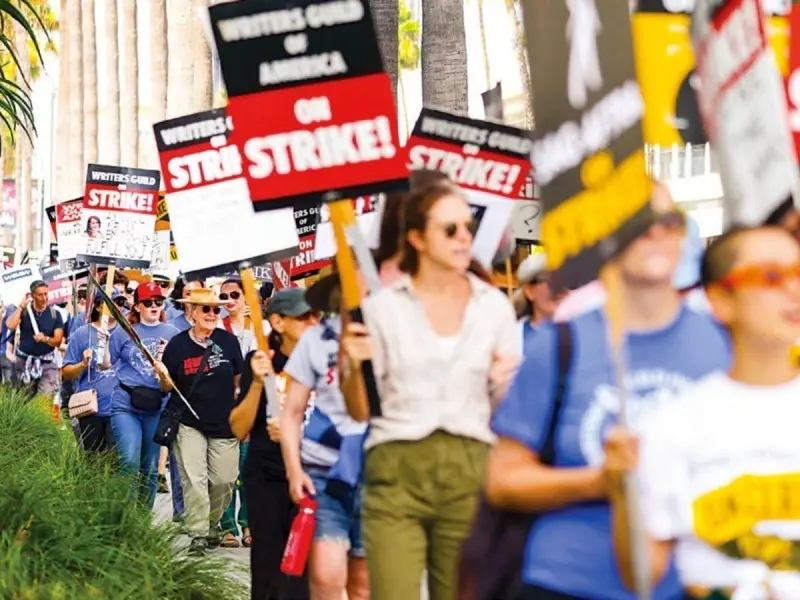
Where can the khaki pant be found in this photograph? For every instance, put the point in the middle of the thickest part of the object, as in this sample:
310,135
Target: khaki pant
208,469
418,508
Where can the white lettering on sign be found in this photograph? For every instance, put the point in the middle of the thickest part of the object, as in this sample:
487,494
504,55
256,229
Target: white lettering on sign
328,146
205,167
455,131
312,110
338,12
326,64
122,178
469,171
133,201
564,149
196,131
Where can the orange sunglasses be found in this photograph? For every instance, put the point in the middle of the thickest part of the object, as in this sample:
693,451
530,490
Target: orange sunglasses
765,275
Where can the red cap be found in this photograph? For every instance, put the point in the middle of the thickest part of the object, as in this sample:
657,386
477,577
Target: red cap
148,291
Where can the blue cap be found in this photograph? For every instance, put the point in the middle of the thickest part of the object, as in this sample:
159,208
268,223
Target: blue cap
687,274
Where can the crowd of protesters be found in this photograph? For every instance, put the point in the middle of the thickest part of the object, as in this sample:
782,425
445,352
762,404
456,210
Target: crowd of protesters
485,404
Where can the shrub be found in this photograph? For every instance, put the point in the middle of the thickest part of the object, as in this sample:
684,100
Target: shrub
69,531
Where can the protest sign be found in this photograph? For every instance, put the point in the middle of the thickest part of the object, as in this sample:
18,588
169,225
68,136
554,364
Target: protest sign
9,255
50,272
793,77
119,215
588,154
526,216
15,283
489,161
305,263
68,228
51,217
208,199
366,211
665,65
294,76
743,105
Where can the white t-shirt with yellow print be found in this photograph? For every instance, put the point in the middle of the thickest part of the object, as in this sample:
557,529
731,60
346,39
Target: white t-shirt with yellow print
720,475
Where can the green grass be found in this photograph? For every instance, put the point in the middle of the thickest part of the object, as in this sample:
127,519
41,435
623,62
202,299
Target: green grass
68,530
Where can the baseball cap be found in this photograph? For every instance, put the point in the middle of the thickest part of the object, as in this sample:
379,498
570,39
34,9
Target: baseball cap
148,291
289,302
531,268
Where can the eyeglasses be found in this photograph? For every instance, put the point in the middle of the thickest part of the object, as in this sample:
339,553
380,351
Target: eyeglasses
215,309
451,229
129,291
82,295
233,295
158,302
123,302
761,276
672,220
162,284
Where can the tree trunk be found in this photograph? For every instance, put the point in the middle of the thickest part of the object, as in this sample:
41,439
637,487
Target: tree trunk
109,148
444,56
129,85
24,147
485,47
159,57
385,16
181,57
89,34
522,61
202,88
77,170
63,146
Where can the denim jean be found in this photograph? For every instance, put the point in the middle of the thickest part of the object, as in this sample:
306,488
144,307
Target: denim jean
229,522
175,487
138,452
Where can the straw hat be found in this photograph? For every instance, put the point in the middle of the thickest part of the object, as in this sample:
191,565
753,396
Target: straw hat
202,297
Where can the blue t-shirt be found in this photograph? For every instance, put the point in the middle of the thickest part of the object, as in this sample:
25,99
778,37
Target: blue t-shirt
102,382
173,311
314,363
131,366
6,334
75,323
180,322
570,550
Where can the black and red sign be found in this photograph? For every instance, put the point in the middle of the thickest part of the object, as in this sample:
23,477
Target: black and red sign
477,155
51,216
208,198
315,112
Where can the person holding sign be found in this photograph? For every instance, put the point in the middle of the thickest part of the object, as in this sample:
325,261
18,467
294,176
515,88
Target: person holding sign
81,364
550,459
443,345
139,395
719,466
205,363
271,509
41,329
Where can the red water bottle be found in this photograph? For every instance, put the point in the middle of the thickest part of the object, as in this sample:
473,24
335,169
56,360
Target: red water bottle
301,535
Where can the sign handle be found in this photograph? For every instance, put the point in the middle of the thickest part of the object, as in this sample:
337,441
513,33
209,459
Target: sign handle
254,303
343,217
612,280
509,285
102,343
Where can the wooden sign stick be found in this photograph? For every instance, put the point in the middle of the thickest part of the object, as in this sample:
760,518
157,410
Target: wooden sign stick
612,280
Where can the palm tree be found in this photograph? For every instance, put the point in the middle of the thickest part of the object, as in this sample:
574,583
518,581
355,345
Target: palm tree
24,149
385,16
444,55
202,92
77,164
408,34
515,14
159,57
109,152
129,85
89,35
181,58
62,101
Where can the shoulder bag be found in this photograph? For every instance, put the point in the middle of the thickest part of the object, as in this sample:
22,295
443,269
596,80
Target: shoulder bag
492,555
84,404
170,419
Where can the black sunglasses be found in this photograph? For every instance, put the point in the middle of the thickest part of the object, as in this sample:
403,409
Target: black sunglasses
451,229
672,220
82,295
129,291
162,284
233,295
159,302
123,302
215,309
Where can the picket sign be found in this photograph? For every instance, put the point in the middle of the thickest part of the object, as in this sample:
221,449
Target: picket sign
16,282
210,212
118,216
793,79
743,105
314,143
68,228
366,211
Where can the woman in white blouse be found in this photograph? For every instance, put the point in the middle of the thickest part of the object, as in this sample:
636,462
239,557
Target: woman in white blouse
443,345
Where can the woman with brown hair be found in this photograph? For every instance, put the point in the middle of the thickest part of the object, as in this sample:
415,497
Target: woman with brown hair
443,347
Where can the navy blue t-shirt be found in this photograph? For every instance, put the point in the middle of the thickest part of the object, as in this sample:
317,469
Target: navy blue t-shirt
48,321
570,550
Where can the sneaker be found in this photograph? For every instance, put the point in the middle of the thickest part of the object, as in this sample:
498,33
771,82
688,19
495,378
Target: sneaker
214,541
198,546
162,485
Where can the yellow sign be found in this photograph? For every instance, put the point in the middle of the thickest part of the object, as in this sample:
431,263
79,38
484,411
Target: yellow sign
664,65
726,519
173,253
162,214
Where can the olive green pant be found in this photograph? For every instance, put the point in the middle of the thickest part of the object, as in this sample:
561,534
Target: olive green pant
420,499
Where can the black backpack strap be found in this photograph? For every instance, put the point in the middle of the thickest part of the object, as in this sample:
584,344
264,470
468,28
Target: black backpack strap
564,349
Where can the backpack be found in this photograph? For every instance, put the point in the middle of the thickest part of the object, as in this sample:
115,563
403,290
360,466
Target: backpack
491,557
